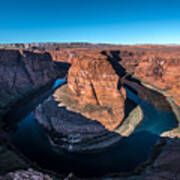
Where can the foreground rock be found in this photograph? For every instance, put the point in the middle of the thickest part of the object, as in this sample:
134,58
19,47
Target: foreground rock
25,175
11,160
165,166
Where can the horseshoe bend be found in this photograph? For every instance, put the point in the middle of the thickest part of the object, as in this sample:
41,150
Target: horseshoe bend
89,111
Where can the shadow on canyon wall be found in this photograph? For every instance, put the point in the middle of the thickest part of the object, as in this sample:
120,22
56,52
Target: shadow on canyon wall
123,156
114,58
134,86
14,111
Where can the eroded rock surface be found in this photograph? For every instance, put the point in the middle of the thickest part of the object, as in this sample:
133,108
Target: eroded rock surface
93,82
25,175
72,131
156,65
22,72
94,90
89,112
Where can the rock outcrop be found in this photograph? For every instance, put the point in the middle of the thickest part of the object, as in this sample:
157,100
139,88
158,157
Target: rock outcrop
89,112
157,65
167,164
152,64
72,131
23,72
25,175
94,83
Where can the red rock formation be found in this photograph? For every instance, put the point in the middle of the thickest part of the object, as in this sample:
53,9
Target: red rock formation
162,73
93,82
158,66
154,64
62,55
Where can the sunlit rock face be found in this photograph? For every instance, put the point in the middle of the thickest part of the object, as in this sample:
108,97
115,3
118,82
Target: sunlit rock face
157,65
81,115
93,82
163,74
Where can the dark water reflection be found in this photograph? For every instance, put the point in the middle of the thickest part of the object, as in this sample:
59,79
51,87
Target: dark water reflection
124,156
155,121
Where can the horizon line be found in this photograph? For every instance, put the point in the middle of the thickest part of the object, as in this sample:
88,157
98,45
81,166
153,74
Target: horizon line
94,43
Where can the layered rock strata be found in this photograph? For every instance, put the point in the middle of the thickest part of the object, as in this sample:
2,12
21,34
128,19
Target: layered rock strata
74,132
155,65
89,112
23,72
94,84
25,175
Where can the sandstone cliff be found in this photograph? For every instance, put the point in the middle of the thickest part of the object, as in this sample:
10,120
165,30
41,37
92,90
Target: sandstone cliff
94,82
95,92
156,65
92,111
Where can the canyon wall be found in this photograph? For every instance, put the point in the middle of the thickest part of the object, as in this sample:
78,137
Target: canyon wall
95,90
153,72
93,81
22,72
92,111
157,66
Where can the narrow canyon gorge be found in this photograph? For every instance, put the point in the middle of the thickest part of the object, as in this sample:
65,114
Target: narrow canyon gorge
89,111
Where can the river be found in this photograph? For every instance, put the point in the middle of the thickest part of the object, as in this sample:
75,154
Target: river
32,141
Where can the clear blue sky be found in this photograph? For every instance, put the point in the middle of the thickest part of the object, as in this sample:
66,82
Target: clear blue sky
97,21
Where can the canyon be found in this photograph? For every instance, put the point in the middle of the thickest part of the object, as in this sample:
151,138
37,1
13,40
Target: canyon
23,72
94,110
